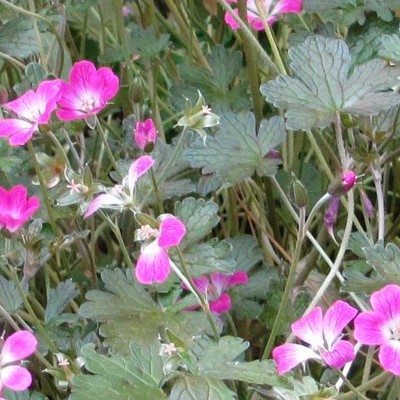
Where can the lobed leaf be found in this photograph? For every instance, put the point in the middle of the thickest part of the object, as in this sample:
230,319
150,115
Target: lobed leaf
321,86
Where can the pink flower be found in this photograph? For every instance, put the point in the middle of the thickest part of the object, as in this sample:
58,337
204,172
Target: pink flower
271,9
15,208
33,109
381,327
215,287
120,196
324,334
145,133
153,263
18,346
87,92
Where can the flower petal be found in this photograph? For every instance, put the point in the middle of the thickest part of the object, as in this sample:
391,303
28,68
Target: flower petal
341,353
238,278
104,200
17,130
387,301
18,346
138,168
222,304
336,318
369,328
16,378
152,265
288,6
200,283
389,356
172,230
309,328
287,356
231,22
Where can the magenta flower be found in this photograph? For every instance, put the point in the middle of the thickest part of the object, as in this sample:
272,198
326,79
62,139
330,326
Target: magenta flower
271,9
324,334
381,327
18,346
145,133
16,208
215,287
120,196
87,92
153,265
32,109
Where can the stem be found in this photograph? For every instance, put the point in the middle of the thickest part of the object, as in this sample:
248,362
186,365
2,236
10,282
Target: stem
350,386
107,148
382,377
377,175
289,284
251,65
187,280
43,188
343,247
249,35
271,38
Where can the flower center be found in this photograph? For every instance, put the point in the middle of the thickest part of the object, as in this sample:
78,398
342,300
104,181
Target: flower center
395,328
146,232
87,103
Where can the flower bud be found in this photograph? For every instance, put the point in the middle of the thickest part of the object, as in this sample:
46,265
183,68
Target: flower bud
137,91
367,205
145,133
145,219
346,182
331,215
297,192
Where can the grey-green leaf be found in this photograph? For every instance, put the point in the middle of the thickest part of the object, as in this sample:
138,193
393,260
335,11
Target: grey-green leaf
58,299
321,86
199,217
18,39
390,47
125,378
10,298
189,387
235,152
219,361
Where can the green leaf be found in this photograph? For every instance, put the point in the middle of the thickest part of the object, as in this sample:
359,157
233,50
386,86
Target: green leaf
219,361
236,136
246,252
321,86
384,260
219,86
127,313
146,43
212,256
137,376
357,282
189,387
58,299
18,39
199,217
297,390
10,298
390,47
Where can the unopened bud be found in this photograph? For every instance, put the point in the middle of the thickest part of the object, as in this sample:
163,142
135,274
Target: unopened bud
137,91
145,134
298,193
331,214
367,205
346,182
145,219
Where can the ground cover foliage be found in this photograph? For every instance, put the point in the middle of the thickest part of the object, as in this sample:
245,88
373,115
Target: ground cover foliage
199,199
